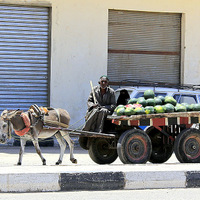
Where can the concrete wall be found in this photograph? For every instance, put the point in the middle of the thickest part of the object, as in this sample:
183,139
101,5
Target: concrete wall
79,44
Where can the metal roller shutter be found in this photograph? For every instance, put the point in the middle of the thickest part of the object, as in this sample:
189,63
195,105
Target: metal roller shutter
24,56
144,46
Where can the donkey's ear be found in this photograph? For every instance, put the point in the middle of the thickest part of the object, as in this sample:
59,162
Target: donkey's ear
11,113
4,113
19,112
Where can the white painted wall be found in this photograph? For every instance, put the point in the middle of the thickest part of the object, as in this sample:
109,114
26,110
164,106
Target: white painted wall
79,44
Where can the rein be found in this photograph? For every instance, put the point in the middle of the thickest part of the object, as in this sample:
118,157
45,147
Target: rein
50,122
9,129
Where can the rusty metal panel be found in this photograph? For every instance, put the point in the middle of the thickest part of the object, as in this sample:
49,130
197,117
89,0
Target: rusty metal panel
24,56
144,46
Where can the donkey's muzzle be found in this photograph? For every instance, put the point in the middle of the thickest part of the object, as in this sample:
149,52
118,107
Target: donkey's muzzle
3,139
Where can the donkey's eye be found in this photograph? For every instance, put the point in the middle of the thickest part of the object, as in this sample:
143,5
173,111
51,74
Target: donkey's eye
4,125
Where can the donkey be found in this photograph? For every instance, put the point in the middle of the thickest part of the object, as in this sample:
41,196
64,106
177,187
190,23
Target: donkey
29,126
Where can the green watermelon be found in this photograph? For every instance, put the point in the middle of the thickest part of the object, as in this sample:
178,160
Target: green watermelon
162,98
187,106
196,107
129,111
142,102
119,106
169,108
158,101
180,108
132,101
190,107
140,98
159,109
149,94
169,99
120,111
150,102
139,110
149,109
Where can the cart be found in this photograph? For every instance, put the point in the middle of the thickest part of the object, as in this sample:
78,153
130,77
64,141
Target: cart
164,134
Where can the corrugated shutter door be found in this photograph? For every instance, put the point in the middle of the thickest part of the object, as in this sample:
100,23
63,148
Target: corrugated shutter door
24,65
144,46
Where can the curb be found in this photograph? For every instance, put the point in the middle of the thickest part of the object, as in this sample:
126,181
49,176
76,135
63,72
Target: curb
38,182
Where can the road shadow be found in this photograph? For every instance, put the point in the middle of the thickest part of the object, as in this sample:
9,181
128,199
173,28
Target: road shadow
47,150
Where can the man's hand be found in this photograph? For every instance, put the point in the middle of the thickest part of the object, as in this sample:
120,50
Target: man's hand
95,105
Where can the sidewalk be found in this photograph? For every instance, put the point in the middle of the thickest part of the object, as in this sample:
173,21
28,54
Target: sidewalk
87,175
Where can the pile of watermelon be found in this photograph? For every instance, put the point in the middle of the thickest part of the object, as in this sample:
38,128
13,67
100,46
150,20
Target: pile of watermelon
149,104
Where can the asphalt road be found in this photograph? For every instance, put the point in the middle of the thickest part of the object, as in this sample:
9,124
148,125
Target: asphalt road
156,194
33,176
9,156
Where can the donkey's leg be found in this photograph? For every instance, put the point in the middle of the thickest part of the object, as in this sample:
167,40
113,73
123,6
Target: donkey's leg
62,144
21,151
70,142
37,148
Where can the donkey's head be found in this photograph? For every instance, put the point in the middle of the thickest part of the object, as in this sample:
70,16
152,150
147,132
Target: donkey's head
8,115
6,125
4,135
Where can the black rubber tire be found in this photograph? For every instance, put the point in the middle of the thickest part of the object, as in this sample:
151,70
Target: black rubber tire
100,152
176,144
187,146
161,152
134,147
83,142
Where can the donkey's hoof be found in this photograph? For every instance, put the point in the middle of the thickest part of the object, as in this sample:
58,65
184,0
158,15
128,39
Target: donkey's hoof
58,162
74,161
19,163
44,162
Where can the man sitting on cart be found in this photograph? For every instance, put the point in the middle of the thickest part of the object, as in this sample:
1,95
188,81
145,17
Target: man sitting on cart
101,102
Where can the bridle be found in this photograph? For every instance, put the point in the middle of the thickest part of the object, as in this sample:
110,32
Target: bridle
8,122
9,129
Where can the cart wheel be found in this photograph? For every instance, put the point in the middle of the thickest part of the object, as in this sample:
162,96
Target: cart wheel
101,151
161,151
83,142
176,144
134,147
187,146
